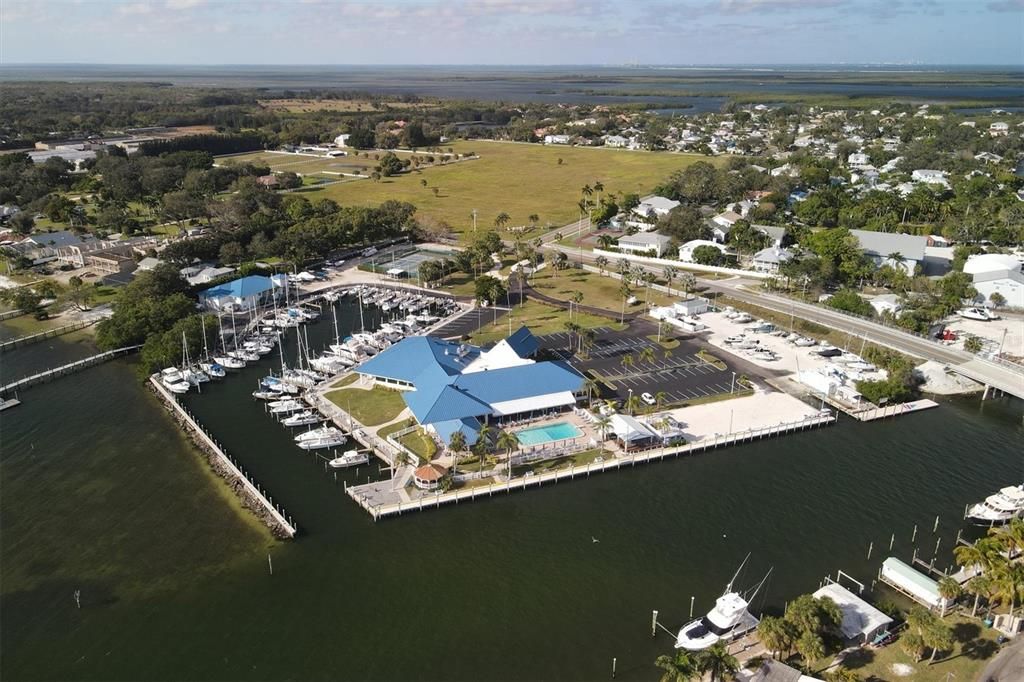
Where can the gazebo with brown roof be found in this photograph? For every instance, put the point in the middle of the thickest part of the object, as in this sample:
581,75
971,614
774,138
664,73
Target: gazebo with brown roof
429,476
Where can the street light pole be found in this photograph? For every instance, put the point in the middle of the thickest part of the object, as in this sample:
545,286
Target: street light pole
732,386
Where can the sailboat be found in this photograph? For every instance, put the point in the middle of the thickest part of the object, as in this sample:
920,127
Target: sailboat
209,367
226,360
728,620
188,372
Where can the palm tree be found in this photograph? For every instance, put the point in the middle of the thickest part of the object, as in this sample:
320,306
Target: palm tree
602,264
646,354
602,423
456,444
717,662
913,645
625,292
508,442
591,387
669,274
1010,536
949,589
659,398
577,298
811,648
502,220
842,674
534,219
934,633
633,404
482,443
776,634
606,241
678,668
598,187
586,191
626,361
666,354
979,585
572,328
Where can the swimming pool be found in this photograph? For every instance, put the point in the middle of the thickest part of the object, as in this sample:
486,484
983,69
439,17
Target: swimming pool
539,435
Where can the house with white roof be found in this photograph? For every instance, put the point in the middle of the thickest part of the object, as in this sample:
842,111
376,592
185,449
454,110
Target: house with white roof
998,128
687,249
931,177
557,139
649,210
644,243
861,622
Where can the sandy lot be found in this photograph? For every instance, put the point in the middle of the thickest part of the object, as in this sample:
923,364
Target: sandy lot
992,333
760,410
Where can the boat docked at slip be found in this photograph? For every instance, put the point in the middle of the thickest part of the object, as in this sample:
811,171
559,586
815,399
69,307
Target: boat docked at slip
324,437
729,619
998,508
285,406
304,418
173,380
350,459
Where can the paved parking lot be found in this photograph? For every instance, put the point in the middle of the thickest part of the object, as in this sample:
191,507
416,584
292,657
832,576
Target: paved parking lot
679,373
469,322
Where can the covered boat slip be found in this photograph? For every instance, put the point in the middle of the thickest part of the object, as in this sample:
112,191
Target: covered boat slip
911,582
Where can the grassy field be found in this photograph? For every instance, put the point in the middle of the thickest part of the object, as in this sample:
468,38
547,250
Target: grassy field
373,407
518,179
598,291
973,647
540,318
304,165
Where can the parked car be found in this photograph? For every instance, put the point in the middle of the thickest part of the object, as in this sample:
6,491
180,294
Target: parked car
648,398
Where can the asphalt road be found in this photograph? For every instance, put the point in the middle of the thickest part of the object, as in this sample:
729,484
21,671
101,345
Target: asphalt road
1007,666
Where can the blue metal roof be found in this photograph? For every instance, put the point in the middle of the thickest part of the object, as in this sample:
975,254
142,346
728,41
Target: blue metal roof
432,404
416,356
240,288
469,427
523,342
521,381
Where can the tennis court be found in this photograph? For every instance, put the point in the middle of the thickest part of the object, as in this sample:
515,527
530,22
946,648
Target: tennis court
408,261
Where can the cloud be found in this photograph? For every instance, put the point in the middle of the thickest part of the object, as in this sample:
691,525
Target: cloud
134,9
184,4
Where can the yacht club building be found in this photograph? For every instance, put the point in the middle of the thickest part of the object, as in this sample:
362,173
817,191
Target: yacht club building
450,386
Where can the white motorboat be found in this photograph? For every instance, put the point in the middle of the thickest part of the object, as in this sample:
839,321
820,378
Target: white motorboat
266,394
764,354
194,376
257,347
742,318
746,344
978,313
998,508
324,437
350,459
804,342
735,338
177,386
304,418
285,406
728,620
171,375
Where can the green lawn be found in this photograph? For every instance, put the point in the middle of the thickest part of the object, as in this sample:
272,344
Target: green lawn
422,445
598,291
975,645
540,318
518,179
373,407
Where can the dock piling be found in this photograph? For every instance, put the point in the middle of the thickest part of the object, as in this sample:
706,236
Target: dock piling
654,623
691,606
870,548
270,564
891,541
936,526
614,661
913,537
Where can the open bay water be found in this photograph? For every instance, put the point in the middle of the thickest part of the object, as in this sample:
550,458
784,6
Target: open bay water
100,493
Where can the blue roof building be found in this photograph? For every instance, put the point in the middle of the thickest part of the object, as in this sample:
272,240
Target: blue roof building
452,387
241,292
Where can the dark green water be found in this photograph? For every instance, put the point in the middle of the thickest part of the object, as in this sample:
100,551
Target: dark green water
100,494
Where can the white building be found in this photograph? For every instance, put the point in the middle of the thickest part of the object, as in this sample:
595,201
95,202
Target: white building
342,140
861,622
653,206
556,139
886,303
930,177
687,249
997,273
998,129
645,242
857,159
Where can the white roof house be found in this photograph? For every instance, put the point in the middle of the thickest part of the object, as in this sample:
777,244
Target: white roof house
556,139
886,303
913,583
930,177
687,249
726,218
652,203
861,621
878,246
857,159
643,242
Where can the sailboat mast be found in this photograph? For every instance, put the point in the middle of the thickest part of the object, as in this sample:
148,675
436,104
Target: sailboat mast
206,348
728,587
362,325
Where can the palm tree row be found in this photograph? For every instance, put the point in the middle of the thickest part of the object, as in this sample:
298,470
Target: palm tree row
683,666
1000,580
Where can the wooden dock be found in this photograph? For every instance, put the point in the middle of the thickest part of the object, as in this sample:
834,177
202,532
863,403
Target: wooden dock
69,368
48,334
369,496
884,412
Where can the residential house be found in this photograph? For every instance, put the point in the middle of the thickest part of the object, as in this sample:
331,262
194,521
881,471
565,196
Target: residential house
774,233
857,159
644,243
931,177
771,258
268,181
557,139
886,303
726,218
988,157
650,209
998,129
687,249
861,621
